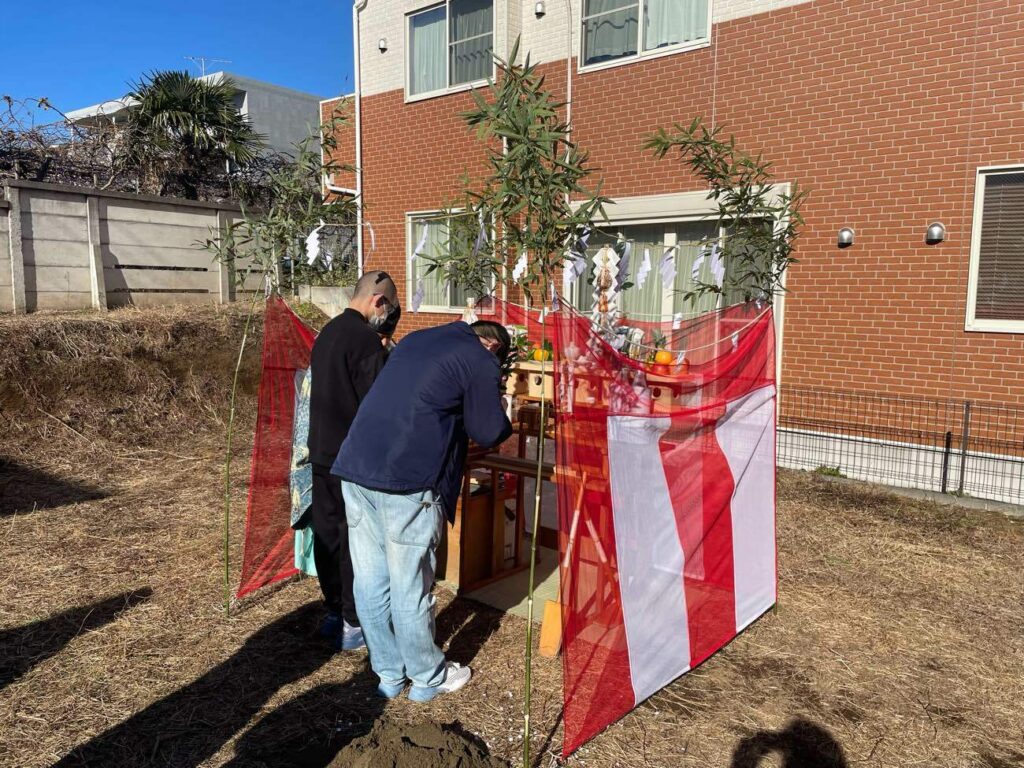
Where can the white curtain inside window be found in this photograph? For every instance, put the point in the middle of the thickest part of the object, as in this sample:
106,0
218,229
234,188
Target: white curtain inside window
740,285
610,29
692,238
643,303
435,292
428,48
472,34
671,22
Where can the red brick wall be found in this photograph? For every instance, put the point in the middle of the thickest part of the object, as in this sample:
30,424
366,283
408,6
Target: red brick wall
415,164
883,111
344,135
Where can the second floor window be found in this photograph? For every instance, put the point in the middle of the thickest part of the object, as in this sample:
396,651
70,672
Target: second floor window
450,45
620,29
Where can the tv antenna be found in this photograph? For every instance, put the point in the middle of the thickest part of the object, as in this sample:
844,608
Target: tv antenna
200,62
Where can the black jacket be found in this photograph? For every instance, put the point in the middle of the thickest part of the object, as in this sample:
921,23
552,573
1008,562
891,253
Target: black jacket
440,387
347,356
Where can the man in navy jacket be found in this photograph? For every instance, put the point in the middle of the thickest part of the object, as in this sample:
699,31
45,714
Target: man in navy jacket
402,466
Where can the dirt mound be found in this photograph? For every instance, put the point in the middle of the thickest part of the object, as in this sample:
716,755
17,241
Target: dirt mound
132,376
428,745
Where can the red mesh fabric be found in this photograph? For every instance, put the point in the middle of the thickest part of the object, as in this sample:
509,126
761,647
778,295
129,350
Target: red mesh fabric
666,503
268,554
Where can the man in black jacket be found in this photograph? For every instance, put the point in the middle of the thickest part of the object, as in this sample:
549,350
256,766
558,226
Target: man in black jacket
347,356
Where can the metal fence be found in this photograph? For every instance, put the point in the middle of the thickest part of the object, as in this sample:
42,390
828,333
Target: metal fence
952,446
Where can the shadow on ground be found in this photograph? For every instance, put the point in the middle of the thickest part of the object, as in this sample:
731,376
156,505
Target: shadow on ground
310,730
193,723
24,489
466,626
21,648
801,744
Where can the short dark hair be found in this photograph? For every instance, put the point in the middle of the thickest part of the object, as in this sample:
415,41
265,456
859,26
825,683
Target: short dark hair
376,281
488,329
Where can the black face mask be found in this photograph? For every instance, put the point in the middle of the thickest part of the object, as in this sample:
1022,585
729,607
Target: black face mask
386,325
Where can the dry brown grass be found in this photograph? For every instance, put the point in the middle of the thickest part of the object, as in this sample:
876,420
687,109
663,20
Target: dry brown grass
899,634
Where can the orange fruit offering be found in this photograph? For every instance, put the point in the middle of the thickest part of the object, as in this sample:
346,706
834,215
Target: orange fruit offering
663,357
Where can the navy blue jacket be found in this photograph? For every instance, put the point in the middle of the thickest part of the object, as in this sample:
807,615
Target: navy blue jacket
439,387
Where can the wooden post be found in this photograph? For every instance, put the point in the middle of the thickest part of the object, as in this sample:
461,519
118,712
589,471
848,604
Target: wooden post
227,277
17,257
99,288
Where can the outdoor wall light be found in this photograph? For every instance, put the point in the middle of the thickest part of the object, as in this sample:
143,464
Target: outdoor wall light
936,233
845,237
382,44
538,9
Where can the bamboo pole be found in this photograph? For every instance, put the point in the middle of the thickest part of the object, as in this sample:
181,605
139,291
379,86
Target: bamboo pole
227,457
533,557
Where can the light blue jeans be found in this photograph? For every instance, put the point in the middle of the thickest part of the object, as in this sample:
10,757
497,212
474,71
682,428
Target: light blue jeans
393,540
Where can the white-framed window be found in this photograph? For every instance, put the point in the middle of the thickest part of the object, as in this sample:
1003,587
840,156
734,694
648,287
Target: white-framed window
995,299
426,238
617,31
449,47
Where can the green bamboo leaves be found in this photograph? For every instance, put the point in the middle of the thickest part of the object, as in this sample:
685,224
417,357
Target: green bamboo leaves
759,223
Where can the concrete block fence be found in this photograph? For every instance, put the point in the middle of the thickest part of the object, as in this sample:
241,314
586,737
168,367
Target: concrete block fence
65,247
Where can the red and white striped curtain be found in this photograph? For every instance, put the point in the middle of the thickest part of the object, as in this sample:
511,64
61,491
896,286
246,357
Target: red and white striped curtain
666,503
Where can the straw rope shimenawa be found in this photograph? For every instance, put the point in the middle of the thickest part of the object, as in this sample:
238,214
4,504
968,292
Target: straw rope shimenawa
899,633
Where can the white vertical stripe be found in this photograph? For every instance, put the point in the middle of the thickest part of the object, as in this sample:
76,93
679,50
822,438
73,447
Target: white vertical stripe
649,554
747,438
690,506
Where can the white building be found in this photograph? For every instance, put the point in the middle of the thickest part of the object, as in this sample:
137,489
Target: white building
283,116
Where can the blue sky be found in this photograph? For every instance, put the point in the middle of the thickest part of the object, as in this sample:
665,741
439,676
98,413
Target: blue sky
79,53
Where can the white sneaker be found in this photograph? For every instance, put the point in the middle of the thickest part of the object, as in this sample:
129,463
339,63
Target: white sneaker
350,638
455,677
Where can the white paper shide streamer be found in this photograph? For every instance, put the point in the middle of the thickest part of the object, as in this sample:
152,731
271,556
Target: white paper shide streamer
623,268
313,246
697,264
645,269
667,267
481,235
520,268
417,297
418,251
717,265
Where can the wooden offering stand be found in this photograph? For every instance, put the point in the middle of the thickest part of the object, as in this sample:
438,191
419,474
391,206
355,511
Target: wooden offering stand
666,391
473,554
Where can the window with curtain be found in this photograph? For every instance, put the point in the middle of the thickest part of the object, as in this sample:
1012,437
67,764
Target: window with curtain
471,35
427,47
692,238
450,45
436,295
620,29
740,284
998,258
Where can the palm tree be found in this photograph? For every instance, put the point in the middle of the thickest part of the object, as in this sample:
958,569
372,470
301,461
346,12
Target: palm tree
182,129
